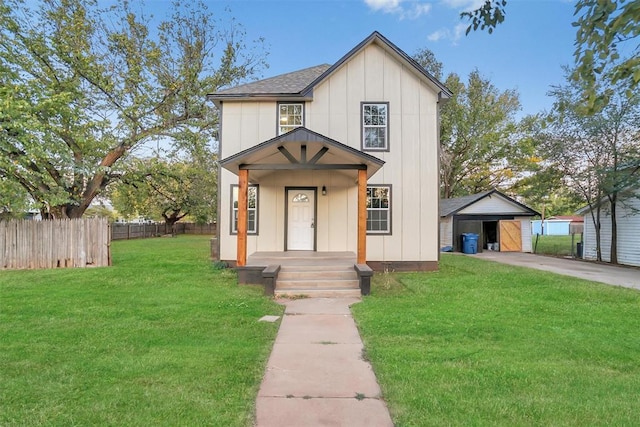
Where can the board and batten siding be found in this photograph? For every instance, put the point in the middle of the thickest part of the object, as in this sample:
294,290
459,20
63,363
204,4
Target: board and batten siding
492,205
411,164
446,231
411,168
525,231
628,234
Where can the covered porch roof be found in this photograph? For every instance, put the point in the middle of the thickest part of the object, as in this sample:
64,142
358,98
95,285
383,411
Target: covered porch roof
301,149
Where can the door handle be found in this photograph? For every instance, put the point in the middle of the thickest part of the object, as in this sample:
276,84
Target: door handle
312,223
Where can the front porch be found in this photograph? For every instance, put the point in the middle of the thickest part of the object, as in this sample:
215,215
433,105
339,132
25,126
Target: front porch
307,273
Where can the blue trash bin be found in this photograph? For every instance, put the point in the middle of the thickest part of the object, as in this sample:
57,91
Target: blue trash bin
470,243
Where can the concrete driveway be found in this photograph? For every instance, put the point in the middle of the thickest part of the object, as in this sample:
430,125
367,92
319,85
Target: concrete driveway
628,277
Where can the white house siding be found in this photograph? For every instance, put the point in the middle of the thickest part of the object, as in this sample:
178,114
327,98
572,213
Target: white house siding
628,234
494,204
411,167
411,164
525,230
446,231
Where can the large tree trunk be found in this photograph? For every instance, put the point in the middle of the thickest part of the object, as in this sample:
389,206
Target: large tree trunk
597,227
170,220
613,200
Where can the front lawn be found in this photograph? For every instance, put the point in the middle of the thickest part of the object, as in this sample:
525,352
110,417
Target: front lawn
485,344
160,338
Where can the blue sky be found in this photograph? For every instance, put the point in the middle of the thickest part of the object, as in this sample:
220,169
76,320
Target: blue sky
525,53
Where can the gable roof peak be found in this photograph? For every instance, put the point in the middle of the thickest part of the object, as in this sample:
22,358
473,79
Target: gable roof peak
300,84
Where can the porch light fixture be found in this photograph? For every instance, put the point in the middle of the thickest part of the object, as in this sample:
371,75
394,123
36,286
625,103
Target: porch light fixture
324,190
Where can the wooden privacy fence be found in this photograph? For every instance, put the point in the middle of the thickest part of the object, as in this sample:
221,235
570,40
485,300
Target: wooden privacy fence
54,243
139,231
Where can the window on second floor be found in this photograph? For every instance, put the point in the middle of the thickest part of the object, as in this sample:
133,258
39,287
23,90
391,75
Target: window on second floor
290,116
375,126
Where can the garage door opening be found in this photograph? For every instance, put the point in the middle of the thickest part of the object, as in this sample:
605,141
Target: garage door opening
491,238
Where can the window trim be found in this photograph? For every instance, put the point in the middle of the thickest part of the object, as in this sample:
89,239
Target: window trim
278,105
362,132
389,230
232,220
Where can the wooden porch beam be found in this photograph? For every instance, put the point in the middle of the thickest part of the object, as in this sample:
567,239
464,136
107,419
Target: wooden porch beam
301,166
243,189
362,216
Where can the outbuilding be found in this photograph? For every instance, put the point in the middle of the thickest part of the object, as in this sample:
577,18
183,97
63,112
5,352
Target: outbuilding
628,222
501,222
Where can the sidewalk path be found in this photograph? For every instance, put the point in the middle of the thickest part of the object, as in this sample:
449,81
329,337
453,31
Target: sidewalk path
610,274
316,375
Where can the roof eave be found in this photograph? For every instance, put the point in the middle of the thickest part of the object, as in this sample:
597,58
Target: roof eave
218,98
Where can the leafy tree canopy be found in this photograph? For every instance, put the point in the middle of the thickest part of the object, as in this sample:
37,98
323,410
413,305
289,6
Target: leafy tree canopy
169,189
82,86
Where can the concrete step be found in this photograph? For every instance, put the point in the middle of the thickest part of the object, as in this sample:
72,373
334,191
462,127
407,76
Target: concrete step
318,293
317,283
313,275
310,268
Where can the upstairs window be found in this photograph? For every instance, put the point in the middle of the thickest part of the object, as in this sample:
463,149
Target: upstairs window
379,209
252,209
375,126
290,116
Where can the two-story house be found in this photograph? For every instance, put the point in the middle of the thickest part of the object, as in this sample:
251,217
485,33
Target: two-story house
334,158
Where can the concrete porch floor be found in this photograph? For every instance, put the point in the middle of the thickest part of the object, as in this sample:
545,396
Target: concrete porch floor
301,258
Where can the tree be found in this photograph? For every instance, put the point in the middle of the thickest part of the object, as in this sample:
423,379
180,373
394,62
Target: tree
599,154
84,86
169,189
427,59
14,202
602,27
477,123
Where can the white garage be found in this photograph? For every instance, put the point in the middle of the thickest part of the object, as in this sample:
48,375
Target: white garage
502,223
628,221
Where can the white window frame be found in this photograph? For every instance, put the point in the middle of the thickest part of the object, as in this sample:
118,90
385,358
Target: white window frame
374,126
252,226
284,128
377,207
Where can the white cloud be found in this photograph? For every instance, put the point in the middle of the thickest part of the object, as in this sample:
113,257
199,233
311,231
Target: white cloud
437,35
459,30
453,35
387,6
405,9
463,5
417,10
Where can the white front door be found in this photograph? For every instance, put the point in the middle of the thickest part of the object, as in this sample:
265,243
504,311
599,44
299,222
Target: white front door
301,221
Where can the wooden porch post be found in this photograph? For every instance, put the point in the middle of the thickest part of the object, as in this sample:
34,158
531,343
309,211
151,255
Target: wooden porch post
362,216
243,188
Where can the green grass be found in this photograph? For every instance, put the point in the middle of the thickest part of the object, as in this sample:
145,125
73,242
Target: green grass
484,344
160,338
554,245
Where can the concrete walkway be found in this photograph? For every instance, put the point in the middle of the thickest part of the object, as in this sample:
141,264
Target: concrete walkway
316,375
612,275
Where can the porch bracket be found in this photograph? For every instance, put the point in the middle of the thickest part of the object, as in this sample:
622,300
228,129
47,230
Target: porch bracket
288,155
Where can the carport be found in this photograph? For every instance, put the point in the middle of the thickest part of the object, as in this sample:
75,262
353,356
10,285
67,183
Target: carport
502,223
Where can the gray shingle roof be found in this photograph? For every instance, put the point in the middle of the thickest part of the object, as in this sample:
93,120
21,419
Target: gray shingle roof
290,83
449,206
452,206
